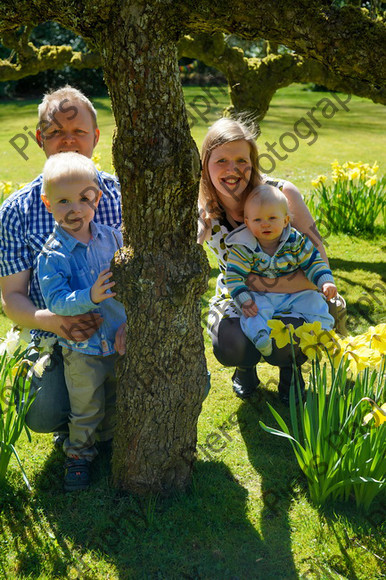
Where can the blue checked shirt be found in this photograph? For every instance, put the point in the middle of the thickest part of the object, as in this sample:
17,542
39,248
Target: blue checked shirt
67,269
25,226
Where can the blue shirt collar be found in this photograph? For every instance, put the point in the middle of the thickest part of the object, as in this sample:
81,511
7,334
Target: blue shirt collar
68,241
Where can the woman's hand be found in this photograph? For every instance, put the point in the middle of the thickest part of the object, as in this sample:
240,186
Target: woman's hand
288,284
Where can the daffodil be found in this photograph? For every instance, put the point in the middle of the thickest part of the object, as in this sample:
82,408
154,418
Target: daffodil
96,157
6,187
281,332
376,337
361,358
308,327
354,173
319,179
371,181
317,341
38,367
10,343
377,413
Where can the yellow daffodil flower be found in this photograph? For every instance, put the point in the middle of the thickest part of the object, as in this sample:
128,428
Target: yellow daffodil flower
7,187
317,344
96,157
281,332
361,358
377,413
308,327
319,179
354,173
376,338
371,181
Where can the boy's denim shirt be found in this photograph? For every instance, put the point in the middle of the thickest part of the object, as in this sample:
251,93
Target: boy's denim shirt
67,269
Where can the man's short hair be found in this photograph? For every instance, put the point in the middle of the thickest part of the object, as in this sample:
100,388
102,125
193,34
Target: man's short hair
56,101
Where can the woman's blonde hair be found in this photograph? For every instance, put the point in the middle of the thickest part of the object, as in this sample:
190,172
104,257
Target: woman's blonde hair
225,130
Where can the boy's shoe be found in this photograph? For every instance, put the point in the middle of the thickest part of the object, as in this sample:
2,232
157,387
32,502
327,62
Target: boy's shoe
245,382
58,439
76,474
285,385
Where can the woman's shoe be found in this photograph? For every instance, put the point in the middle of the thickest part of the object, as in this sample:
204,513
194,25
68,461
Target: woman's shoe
285,381
245,382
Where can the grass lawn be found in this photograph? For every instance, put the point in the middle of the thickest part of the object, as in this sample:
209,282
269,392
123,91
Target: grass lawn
247,514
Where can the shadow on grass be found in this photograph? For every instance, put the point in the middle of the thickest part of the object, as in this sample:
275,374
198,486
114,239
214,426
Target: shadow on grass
272,458
203,534
281,483
350,266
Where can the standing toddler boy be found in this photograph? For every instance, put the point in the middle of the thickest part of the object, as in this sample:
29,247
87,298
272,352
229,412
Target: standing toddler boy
74,277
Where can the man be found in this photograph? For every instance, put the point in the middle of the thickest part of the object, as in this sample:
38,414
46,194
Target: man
67,122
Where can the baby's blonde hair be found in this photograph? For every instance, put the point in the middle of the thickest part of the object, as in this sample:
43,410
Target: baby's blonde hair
225,130
268,194
63,100
65,166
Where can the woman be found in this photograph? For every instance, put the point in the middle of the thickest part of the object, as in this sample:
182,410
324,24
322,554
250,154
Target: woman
229,172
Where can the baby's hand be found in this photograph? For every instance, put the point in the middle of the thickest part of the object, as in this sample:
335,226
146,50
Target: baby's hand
249,308
329,290
99,289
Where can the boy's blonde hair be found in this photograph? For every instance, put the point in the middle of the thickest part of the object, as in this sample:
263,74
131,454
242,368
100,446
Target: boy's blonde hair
223,131
65,166
268,194
62,100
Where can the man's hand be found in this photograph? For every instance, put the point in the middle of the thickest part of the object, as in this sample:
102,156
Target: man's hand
77,328
120,339
19,308
249,309
100,287
329,290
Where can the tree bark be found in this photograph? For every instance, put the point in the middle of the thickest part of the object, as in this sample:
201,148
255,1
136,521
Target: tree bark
161,272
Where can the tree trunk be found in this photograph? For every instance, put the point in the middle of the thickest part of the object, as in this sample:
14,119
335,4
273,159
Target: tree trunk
161,272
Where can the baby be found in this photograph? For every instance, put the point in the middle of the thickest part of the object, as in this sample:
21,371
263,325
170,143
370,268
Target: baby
267,245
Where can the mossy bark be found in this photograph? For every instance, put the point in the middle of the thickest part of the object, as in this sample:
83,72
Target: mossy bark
161,272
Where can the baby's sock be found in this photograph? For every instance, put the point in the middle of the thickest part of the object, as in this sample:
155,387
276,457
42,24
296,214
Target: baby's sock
263,343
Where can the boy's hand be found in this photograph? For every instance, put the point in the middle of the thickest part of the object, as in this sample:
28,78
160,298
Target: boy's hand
329,290
249,308
99,289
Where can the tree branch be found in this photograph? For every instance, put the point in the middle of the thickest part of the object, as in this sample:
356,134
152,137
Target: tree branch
345,39
32,60
254,81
